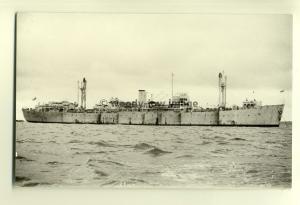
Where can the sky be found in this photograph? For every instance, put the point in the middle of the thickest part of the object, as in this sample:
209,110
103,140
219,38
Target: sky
119,54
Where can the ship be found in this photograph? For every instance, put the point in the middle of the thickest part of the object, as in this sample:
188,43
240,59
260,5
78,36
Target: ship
179,111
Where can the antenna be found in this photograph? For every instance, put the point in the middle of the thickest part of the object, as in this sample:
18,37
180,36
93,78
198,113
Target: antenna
219,85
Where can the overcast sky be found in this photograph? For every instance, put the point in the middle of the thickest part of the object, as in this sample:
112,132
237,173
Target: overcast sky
121,53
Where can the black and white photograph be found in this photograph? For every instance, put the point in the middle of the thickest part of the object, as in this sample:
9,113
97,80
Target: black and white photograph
153,100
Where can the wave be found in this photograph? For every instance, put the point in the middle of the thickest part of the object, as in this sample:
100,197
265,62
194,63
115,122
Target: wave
252,171
21,141
28,140
125,145
204,143
131,181
74,133
143,146
221,151
111,182
266,132
271,142
100,173
222,142
273,155
258,147
238,139
180,140
75,148
32,184
127,162
136,181
185,156
157,152
101,144
286,175
219,137
75,141
54,163
21,158
152,172
99,152
104,162
21,178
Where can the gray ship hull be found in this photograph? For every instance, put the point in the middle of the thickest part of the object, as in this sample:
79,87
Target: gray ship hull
269,115
61,117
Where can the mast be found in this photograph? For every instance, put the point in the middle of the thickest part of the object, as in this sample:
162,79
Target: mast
83,93
172,87
219,86
78,92
222,89
225,91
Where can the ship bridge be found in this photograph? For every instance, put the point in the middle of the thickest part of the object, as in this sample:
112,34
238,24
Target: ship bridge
251,103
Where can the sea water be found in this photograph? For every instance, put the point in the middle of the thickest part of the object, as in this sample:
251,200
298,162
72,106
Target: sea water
86,155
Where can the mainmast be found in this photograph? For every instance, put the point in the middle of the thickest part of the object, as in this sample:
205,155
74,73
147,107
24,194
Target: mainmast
172,87
222,89
83,93
78,92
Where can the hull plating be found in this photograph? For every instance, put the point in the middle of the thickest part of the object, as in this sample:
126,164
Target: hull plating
266,116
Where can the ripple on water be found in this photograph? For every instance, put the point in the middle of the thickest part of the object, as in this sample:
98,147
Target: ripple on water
136,181
221,151
130,181
111,182
219,137
54,163
21,158
155,152
33,184
122,158
88,153
266,132
75,141
101,173
22,179
222,142
238,139
271,142
185,156
91,161
100,143
252,171
143,146
205,142
28,141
